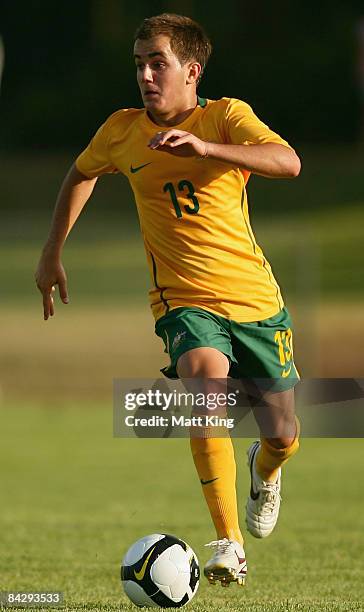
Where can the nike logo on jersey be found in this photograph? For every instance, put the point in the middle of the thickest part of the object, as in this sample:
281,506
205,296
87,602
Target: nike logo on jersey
137,168
204,482
140,575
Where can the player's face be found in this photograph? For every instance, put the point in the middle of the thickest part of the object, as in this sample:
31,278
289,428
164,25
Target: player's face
161,77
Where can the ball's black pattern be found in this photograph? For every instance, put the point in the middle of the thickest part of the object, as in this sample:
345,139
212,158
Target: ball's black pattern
155,594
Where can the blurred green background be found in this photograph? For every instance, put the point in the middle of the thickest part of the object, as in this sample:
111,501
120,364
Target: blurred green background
67,66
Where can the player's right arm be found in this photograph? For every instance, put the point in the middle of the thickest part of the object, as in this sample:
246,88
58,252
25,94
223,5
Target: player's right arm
76,189
73,195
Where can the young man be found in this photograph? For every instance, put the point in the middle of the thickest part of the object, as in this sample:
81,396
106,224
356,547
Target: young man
216,303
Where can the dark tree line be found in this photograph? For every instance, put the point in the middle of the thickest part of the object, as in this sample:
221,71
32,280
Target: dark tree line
69,64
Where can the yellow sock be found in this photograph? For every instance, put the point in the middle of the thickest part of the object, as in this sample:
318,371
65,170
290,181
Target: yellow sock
270,459
215,463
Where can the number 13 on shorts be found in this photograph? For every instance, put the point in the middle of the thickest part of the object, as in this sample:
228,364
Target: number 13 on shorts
283,339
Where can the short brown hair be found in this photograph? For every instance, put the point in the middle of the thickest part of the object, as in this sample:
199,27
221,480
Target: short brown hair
187,38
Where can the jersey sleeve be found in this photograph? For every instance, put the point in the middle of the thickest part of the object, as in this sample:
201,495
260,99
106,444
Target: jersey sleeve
244,127
94,160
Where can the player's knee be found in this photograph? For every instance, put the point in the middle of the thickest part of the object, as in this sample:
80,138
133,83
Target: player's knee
281,442
204,362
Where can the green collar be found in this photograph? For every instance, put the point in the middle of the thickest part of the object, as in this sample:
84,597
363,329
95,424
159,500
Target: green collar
201,101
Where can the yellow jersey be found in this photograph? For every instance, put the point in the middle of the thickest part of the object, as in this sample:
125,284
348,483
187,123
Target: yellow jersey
193,213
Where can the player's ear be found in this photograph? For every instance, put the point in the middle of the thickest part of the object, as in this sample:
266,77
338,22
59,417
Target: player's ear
193,72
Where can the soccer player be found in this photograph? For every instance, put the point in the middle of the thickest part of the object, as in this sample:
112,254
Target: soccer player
217,305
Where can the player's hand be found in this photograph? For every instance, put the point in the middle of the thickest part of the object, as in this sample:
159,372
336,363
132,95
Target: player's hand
49,273
179,143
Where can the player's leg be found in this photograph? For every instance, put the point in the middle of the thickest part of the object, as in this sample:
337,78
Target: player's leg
264,352
205,370
200,343
213,456
279,442
279,432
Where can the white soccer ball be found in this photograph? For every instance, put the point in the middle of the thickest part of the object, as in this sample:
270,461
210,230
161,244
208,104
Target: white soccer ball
160,570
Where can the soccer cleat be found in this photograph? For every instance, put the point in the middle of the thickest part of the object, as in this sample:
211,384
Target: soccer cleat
227,564
262,507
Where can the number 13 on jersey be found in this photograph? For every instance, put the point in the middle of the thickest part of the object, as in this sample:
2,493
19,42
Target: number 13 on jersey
184,186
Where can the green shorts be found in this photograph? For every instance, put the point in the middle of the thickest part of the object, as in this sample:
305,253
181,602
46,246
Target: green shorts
261,350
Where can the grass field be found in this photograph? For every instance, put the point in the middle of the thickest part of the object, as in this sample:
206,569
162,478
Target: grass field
74,499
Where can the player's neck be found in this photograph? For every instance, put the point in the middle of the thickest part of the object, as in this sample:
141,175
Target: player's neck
175,116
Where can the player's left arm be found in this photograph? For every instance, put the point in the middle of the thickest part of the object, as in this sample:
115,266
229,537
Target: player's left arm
269,159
